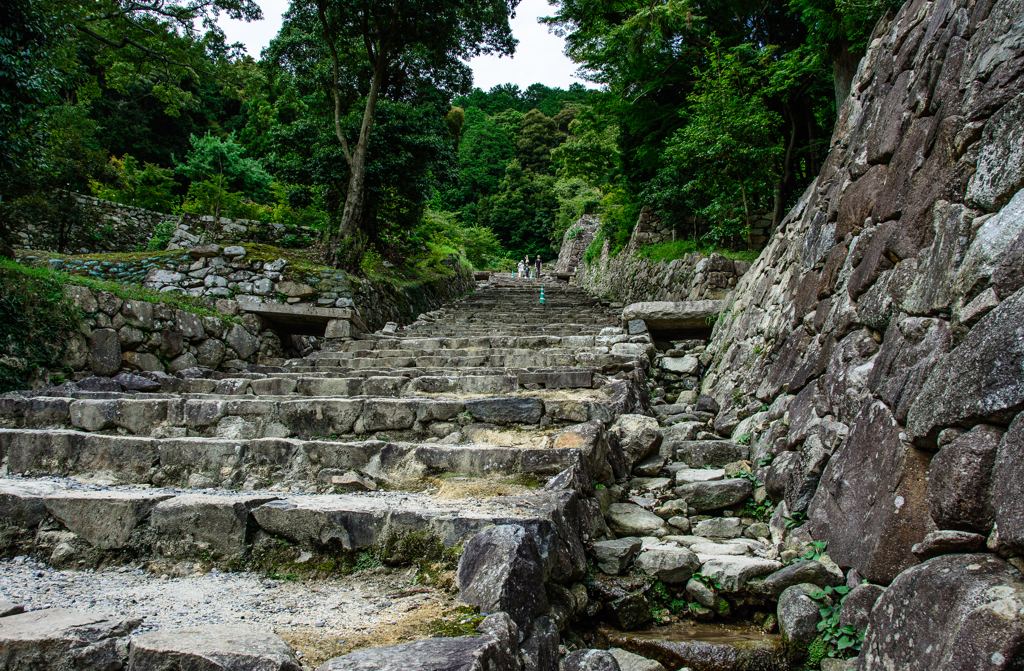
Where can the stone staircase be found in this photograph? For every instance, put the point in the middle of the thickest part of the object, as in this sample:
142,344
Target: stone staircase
489,413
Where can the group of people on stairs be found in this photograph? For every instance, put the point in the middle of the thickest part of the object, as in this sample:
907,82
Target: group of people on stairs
524,267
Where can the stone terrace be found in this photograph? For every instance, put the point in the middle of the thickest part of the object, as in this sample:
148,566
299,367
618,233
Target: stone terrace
491,411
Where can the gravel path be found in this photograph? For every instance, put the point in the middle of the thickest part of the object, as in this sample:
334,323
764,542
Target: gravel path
319,617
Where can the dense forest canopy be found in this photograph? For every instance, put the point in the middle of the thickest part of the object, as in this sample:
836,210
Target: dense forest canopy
360,121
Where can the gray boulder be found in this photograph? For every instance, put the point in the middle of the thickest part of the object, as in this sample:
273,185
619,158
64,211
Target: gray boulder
613,557
629,519
631,662
590,660
133,382
539,652
506,410
714,494
233,647
719,527
639,437
857,605
732,572
960,480
665,315
802,572
630,611
8,608
873,534
979,380
104,352
670,565
493,650
713,453
500,570
1007,474
56,639
948,542
798,616
961,611
244,343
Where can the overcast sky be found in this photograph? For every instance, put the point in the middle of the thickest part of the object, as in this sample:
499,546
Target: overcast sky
538,58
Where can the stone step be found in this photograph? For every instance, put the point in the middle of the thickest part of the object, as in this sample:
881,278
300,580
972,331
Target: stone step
229,463
319,416
62,522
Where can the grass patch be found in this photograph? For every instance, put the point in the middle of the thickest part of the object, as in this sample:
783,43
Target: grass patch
36,323
677,249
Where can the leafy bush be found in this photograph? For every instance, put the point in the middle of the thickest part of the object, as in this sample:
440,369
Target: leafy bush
478,244
36,323
149,186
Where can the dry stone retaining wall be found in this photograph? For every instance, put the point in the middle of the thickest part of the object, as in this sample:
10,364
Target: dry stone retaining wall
630,278
885,318
117,227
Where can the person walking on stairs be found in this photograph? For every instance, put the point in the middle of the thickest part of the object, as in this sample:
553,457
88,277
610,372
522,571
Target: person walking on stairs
537,274
522,269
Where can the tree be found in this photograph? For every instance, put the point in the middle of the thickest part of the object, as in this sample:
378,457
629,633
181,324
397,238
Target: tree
726,153
217,164
399,43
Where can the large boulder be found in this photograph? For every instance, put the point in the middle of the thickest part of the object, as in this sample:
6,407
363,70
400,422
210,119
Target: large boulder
211,647
670,565
873,533
1007,476
732,572
500,570
857,605
56,639
798,616
629,519
960,480
954,612
104,352
714,494
506,410
493,650
802,572
613,557
709,453
978,381
590,660
667,316
639,437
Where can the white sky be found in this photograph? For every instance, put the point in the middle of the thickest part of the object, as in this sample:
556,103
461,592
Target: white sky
538,59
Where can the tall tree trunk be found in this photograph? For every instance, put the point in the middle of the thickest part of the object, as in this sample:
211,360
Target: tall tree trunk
746,213
784,184
351,215
844,67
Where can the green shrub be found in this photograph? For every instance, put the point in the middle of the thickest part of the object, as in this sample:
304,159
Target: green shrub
36,323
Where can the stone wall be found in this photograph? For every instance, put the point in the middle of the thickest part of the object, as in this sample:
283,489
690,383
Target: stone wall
886,317
112,227
217,273
629,278
154,338
105,226
575,242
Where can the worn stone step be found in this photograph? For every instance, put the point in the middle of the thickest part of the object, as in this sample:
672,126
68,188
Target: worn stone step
299,416
147,523
263,462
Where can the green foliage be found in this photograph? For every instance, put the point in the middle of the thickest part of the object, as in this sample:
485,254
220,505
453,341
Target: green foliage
462,621
677,249
744,439
162,235
795,519
149,186
593,251
842,641
707,580
36,323
721,162
816,551
478,244
575,198
217,164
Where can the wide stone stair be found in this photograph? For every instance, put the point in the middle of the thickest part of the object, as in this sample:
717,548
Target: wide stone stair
486,416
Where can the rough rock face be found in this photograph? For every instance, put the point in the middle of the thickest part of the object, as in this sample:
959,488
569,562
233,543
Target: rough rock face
885,317
953,612
500,570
